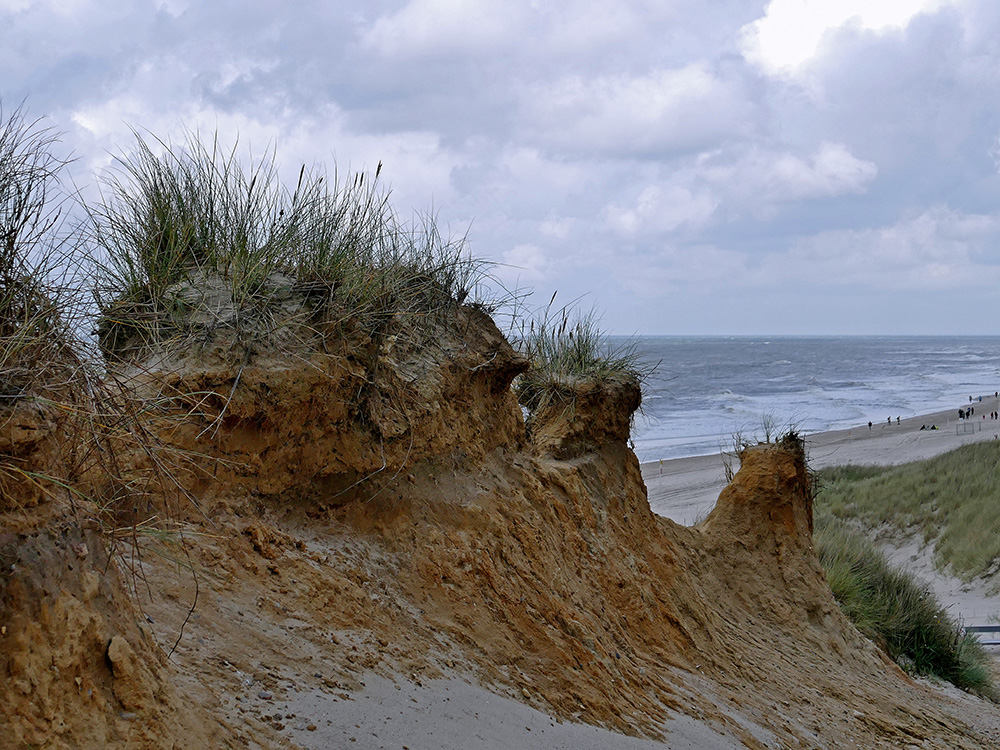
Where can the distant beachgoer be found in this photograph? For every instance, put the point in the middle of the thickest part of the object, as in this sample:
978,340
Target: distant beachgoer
933,426
923,427
961,413
897,420
970,399
889,420
869,425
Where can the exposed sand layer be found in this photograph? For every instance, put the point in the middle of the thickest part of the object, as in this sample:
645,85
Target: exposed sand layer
367,543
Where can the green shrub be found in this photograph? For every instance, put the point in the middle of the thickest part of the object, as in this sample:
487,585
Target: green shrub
898,612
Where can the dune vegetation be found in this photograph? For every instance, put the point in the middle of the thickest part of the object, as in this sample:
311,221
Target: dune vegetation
898,611
175,220
564,346
950,502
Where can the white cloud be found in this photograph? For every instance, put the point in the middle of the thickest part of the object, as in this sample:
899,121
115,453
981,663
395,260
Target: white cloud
830,170
659,210
526,262
756,181
792,31
941,248
442,27
557,228
678,109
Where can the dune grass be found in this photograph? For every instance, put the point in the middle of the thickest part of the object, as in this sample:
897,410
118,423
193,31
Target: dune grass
35,350
897,611
48,376
566,346
952,501
171,215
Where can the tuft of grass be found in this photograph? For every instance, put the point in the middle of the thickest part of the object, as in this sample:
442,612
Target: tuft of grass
82,440
565,347
769,431
174,221
34,339
951,500
897,611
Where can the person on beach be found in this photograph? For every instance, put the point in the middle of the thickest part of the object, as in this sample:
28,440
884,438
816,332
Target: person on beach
869,425
889,420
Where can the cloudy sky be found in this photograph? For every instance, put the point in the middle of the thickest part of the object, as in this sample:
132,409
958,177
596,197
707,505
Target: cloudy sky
689,167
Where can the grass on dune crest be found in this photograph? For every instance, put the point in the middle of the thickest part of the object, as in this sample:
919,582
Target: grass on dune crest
897,611
173,218
564,346
952,500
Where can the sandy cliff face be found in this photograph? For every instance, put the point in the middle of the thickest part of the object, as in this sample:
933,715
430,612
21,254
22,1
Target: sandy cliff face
78,667
339,406
382,508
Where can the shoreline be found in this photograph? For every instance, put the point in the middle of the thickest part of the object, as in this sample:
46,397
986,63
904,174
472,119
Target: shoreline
685,489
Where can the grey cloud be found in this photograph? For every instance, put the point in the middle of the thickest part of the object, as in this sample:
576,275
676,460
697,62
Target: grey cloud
623,149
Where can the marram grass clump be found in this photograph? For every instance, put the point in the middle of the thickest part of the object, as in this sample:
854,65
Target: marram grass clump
35,341
174,221
897,611
565,348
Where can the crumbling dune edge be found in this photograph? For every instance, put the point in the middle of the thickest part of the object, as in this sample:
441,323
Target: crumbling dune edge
423,532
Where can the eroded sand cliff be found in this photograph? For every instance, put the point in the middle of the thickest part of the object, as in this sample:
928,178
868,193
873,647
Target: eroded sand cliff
364,506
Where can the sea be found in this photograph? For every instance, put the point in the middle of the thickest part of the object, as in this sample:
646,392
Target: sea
707,389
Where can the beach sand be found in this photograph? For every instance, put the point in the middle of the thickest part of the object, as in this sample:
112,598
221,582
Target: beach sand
450,714
685,489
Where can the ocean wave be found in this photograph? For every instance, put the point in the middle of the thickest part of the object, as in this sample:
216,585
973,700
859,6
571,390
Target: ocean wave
827,383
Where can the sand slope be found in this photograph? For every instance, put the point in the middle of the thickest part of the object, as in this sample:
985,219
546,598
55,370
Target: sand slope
401,528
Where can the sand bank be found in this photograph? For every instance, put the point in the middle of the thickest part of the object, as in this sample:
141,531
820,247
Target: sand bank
685,489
